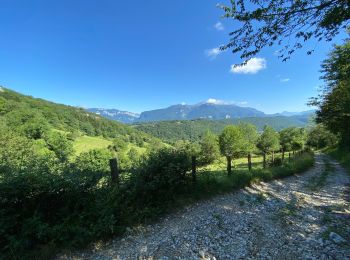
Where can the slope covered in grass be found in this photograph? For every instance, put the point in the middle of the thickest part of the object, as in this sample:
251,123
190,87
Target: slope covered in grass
87,143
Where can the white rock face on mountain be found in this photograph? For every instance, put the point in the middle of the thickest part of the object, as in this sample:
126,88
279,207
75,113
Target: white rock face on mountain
115,114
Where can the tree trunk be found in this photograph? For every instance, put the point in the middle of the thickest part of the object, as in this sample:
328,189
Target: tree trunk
249,161
282,155
229,168
264,162
289,156
273,157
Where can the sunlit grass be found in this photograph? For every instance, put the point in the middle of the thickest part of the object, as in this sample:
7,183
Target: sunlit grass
87,143
240,163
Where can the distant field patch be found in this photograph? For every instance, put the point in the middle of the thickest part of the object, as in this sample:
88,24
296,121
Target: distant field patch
87,143
241,163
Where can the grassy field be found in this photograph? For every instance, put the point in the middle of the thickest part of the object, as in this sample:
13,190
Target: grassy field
241,163
87,143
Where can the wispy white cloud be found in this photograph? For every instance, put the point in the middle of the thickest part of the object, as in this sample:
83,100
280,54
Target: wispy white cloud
252,66
282,78
217,101
242,103
225,102
285,80
213,53
219,26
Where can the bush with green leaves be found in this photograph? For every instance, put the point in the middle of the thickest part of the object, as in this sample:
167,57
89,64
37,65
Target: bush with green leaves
89,168
209,149
134,157
60,145
268,142
286,140
334,98
118,145
298,137
320,137
250,139
162,173
231,144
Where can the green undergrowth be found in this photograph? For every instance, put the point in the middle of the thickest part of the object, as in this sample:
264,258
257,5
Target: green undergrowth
342,155
47,214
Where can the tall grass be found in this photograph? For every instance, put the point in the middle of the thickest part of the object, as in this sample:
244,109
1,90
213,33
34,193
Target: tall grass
342,155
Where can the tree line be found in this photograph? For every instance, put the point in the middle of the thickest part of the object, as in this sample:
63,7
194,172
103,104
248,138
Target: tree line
237,141
192,130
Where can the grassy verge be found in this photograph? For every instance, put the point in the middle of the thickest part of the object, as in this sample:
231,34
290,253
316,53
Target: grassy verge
341,155
211,183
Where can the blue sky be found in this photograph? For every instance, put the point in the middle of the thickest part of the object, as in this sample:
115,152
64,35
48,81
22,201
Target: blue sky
141,55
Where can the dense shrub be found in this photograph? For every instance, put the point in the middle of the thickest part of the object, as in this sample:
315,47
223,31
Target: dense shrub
320,137
161,174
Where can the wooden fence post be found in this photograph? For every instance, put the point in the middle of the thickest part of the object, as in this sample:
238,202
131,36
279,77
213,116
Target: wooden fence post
229,165
113,164
194,169
264,160
249,161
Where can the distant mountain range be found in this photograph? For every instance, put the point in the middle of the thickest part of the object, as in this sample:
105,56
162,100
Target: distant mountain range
115,114
303,113
204,110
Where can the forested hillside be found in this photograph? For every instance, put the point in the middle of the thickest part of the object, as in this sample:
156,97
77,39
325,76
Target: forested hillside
172,131
33,117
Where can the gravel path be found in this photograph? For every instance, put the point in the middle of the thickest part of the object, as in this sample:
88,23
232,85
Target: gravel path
291,218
